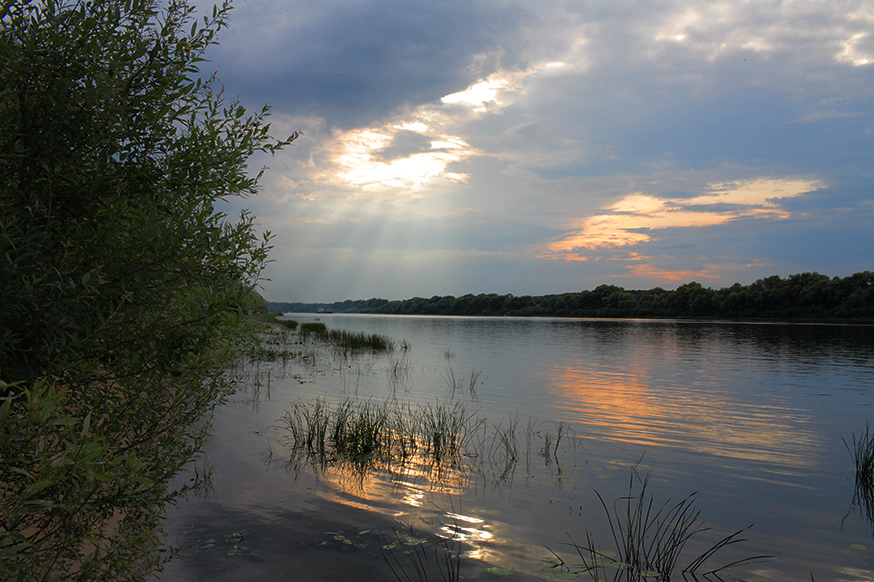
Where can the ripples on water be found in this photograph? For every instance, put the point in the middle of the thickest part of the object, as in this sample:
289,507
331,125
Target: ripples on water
749,415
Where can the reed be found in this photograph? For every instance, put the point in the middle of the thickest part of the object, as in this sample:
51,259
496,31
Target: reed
316,328
400,368
363,436
862,451
285,323
649,539
413,560
355,341
444,430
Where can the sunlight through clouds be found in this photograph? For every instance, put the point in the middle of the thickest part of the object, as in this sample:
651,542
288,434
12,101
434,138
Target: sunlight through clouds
632,220
398,159
503,147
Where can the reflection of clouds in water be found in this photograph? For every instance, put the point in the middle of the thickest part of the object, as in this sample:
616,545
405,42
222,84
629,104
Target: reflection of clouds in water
629,407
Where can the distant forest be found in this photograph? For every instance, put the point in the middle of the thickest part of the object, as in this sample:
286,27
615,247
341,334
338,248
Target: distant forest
808,296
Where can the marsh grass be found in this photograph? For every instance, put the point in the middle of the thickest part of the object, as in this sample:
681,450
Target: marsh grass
400,367
286,323
348,341
444,430
414,560
371,435
455,384
361,436
862,452
649,540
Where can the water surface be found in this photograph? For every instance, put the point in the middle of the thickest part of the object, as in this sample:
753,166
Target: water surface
751,416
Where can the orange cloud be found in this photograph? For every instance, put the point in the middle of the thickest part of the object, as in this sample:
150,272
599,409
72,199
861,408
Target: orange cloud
631,220
653,273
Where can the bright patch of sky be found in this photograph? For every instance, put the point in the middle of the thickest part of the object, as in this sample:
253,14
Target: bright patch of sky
455,147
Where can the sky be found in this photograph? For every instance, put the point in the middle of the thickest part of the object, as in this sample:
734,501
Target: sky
502,146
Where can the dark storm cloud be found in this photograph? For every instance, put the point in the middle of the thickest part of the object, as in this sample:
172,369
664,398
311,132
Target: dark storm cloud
352,62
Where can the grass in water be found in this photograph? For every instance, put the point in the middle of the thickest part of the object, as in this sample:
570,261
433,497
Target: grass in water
363,436
347,341
648,540
413,560
862,451
316,328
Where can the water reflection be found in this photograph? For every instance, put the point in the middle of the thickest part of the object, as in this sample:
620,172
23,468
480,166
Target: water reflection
751,415
629,407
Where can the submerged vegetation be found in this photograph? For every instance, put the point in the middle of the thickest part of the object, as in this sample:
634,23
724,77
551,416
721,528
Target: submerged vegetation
802,296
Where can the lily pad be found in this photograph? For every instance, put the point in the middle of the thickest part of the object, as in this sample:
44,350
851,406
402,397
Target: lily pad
500,571
858,547
235,537
241,551
209,545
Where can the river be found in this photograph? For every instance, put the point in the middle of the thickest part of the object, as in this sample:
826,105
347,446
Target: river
752,417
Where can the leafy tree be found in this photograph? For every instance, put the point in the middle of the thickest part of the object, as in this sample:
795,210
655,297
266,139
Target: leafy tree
121,284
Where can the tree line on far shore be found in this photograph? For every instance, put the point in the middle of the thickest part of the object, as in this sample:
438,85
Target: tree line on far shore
810,296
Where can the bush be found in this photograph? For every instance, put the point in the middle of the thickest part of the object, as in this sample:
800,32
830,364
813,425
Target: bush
123,292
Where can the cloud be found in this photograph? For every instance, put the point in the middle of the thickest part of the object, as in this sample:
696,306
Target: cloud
816,116
648,141
354,61
635,218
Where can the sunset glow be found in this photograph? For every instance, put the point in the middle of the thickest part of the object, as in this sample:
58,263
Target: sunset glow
633,219
486,148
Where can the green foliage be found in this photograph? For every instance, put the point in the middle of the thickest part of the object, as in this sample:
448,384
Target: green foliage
123,288
75,504
349,341
313,327
803,296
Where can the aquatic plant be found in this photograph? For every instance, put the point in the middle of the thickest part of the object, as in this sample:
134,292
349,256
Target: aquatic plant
649,539
455,384
474,377
287,323
363,434
360,436
353,341
422,565
400,368
862,451
313,327
444,430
